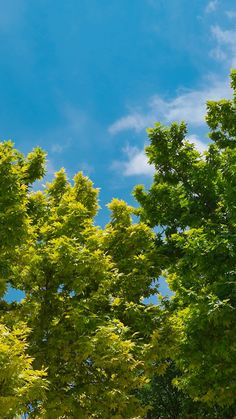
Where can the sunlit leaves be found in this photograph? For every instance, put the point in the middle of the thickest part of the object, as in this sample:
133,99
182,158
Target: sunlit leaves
84,301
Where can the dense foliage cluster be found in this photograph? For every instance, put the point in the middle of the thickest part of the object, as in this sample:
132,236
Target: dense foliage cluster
83,343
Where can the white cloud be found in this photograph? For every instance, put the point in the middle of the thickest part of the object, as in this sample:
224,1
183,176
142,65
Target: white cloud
136,163
136,121
223,36
190,105
225,49
211,6
133,121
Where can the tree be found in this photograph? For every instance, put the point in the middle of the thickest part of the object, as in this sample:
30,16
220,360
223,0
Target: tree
192,201
84,287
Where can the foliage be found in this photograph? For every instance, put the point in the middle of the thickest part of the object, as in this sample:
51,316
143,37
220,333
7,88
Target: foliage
166,401
84,288
192,201
21,387
16,174
20,384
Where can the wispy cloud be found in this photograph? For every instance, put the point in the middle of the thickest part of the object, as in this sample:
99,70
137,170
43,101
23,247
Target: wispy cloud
135,163
189,105
231,14
58,148
211,6
136,121
225,49
224,37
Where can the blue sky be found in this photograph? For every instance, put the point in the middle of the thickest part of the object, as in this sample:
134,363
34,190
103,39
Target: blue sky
84,78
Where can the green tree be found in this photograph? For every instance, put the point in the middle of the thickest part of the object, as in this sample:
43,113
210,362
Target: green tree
192,201
84,290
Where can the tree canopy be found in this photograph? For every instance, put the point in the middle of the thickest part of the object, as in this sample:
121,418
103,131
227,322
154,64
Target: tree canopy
88,329
192,200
